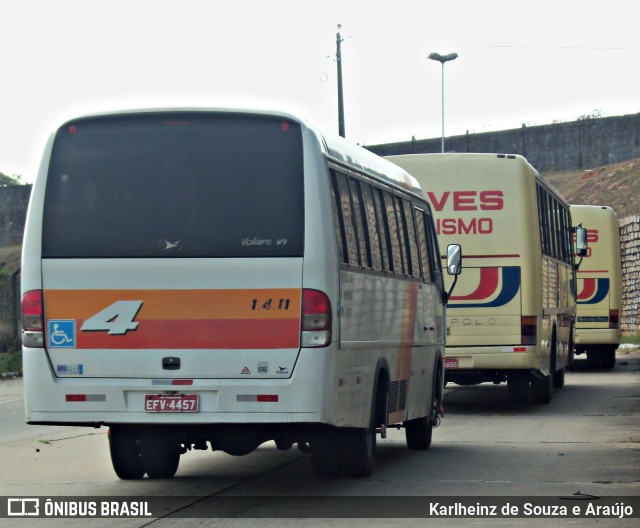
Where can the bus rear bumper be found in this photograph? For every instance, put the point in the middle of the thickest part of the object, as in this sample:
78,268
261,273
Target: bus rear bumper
501,357
597,336
86,401
467,366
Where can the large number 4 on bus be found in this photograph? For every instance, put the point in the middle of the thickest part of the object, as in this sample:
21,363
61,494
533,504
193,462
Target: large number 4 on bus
117,319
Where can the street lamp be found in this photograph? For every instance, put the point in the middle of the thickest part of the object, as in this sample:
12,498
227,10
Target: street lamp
442,59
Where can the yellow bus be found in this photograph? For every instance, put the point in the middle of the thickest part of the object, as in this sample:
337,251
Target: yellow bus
599,287
512,317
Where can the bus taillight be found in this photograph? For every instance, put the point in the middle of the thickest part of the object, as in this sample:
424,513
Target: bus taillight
529,329
614,318
32,319
316,319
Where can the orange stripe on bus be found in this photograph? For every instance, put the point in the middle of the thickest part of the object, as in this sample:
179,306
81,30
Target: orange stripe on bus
272,303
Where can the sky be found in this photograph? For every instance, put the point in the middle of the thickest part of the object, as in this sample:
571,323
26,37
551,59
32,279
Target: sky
520,62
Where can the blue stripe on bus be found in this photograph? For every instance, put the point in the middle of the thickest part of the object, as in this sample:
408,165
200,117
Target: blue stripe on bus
602,290
510,287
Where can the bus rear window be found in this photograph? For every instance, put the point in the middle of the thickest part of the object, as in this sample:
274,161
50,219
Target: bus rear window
175,185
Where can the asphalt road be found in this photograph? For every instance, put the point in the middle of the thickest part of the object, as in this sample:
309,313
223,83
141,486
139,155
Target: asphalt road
586,441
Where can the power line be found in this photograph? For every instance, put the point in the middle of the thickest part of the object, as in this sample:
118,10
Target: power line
587,48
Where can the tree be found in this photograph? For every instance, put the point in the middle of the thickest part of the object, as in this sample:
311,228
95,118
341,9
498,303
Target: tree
594,114
6,181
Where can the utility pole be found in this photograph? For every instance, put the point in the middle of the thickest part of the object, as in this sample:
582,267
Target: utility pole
340,100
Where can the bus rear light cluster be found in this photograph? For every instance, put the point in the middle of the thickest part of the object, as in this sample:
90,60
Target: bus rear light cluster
316,319
529,330
614,318
32,319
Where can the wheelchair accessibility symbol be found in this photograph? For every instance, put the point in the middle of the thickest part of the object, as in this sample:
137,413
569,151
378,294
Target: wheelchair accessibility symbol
62,333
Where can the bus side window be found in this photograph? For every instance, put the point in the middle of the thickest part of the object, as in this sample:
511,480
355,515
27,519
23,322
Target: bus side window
434,251
410,232
343,255
359,222
542,217
383,229
394,238
372,226
566,235
422,245
402,239
554,228
350,240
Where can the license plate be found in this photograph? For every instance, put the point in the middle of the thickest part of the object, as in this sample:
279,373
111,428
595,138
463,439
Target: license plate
176,403
450,363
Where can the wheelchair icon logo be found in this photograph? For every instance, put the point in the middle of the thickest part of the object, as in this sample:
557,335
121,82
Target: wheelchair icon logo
62,333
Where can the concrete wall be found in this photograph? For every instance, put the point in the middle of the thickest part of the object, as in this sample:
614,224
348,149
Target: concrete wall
583,144
14,200
630,253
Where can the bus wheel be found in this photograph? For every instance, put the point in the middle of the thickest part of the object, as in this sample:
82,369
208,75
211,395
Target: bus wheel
542,387
518,384
601,357
558,378
593,358
160,457
558,375
358,447
418,433
325,454
125,453
608,357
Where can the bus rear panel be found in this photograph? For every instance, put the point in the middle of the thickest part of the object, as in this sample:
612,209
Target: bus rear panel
599,286
511,316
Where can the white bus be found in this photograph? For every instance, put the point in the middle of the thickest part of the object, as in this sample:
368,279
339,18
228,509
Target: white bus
229,277
512,318
599,286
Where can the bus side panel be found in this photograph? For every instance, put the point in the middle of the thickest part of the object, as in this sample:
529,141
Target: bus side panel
390,319
558,313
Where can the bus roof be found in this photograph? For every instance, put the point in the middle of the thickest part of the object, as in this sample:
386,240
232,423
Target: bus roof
483,157
341,150
605,208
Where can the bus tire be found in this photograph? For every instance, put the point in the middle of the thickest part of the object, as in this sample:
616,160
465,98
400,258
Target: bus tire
160,457
325,454
542,387
601,357
358,447
125,453
558,378
558,374
518,386
593,358
608,359
418,433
